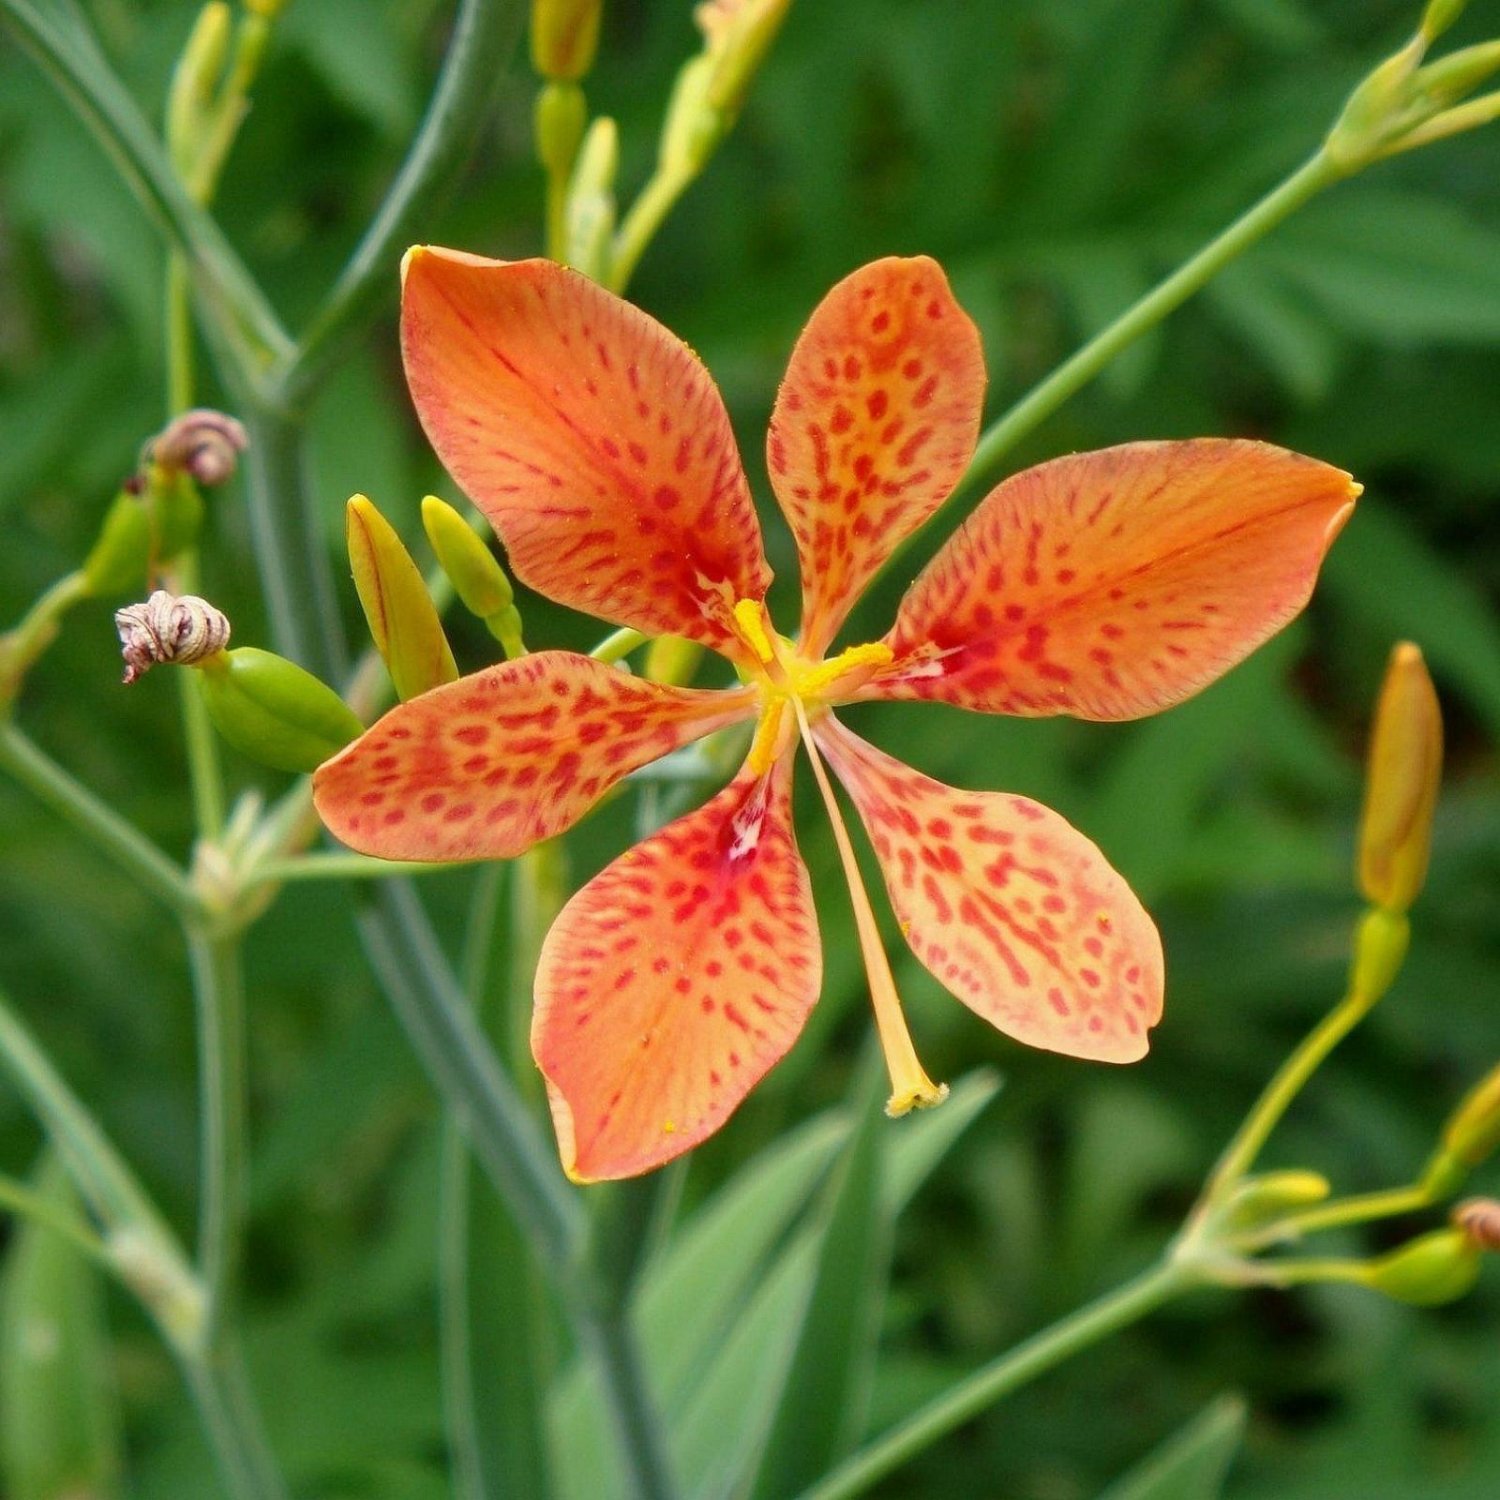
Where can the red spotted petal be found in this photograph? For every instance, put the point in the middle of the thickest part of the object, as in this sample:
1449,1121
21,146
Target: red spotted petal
672,982
1113,584
486,766
1009,907
874,425
592,438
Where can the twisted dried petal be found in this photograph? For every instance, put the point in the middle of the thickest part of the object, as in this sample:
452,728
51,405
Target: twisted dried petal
487,766
1111,585
873,427
169,628
204,443
593,440
675,979
1011,908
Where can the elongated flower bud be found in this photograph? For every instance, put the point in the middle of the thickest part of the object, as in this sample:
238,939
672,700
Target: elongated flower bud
1430,1270
477,578
1401,783
1472,1133
561,118
1439,16
1259,1200
274,711
737,36
403,621
169,628
564,37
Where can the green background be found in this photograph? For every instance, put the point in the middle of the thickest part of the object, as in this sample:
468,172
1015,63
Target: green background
1056,156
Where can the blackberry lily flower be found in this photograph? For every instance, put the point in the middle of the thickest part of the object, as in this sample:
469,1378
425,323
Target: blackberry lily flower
1105,585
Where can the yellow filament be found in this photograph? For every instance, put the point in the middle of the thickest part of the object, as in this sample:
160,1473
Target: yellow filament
812,682
749,615
767,737
911,1088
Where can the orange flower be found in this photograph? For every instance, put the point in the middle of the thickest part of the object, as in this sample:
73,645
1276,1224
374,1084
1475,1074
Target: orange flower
1105,585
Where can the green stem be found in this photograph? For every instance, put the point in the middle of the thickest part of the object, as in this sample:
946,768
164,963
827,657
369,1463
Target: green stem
27,1203
619,644
221,1394
1107,1315
1310,1054
337,866
637,1425
218,987
646,216
70,56
140,859
1076,372
1358,1209
483,35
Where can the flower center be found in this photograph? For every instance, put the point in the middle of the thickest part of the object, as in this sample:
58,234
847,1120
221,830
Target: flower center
785,678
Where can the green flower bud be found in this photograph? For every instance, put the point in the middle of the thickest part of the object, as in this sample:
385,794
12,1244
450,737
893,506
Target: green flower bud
1428,1271
694,127
737,35
477,577
403,621
672,659
1379,949
273,711
121,554
1439,16
1401,783
1472,1133
562,115
591,199
1452,78
195,82
1259,1200
564,37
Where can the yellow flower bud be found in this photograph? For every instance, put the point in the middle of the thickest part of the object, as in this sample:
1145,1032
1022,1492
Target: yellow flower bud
564,37
1439,16
1259,1200
737,35
195,82
479,580
274,711
403,621
1473,1130
1401,784
1432,1269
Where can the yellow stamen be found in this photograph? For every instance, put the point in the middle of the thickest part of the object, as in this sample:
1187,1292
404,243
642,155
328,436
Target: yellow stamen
767,737
911,1088
873,654
750,616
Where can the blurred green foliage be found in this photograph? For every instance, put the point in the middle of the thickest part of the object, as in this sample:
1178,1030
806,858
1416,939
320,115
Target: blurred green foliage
1056,156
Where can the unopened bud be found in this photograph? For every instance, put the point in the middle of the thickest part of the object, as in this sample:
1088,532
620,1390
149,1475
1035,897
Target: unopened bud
1401,783
1440,15
1435,1268
562,116
402,618
477,577
1454,77
1259,1200
182,629
591,199
694,127
1380,945
274,711
1472,1133
1479,1218
737,35
672,659
205,444
564,37
195,82
1374,108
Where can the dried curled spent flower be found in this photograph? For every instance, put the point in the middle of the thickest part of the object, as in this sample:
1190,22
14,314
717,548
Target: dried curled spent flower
1479,1218
169,628
204,443
1103,585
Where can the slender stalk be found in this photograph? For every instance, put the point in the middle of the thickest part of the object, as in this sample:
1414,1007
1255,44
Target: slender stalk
27,1203
645,217
200,741
1107,1315
136,855
331,865
483,35
218,987
619,644
636,1423
220,1392
1317,173
69,55
1310,1054
1359,1209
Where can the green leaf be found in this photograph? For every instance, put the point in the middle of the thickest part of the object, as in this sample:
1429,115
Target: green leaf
1192,1464
826,1382
59,1427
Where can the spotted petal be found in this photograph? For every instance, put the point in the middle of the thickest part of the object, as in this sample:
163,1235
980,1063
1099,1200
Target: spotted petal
486,766
672,982
593,440
1113,584
1012,909
874,424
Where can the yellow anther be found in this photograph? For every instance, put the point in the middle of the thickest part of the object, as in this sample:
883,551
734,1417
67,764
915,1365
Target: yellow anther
873,654
750,616
767,737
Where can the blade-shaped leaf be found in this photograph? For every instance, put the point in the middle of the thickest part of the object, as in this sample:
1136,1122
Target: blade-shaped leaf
1192,1464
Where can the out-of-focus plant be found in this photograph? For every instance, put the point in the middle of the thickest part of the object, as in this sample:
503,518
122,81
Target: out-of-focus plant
797,1242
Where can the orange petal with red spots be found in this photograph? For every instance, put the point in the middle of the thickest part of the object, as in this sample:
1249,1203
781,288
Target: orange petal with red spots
874,425
673,981
593,440
1113,584
1009,906
484,767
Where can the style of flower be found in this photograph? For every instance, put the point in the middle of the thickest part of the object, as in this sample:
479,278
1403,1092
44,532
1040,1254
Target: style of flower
1105,585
